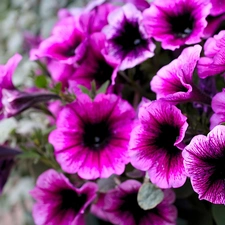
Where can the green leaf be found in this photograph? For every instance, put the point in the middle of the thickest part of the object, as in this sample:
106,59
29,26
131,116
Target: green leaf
41,81
218,212
84,89
103,88
57,88
29,155
149,196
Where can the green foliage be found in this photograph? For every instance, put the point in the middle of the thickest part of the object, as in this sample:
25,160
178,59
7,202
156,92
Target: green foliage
218,212
149,196
41,81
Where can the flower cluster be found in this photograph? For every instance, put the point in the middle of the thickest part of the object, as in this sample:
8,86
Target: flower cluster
133,94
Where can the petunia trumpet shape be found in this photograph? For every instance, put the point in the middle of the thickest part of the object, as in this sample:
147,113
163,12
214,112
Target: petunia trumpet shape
120,207
127,40
176,22
7,156
58,201
204,161
174,82
92,136
156,143
214,61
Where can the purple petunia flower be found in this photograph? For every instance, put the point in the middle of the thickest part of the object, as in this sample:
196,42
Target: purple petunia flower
218,7
176,22
15,102
92,136
7,156
126,38
218,106
156,143
6,73
174,82
66,44
58,201
93,19
204,160
214,61
121,207
95,66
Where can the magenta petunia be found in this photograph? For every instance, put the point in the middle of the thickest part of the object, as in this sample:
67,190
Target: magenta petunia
176,22
58,201
6,73
95,66
204,160
120,207
93,19
174,82
7,161
126,37
218,106
66,44
15,101
214,61
91,136
218,7
156,143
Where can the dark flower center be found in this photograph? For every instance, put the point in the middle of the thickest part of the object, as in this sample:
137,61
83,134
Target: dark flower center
130,204
72,200
129,37
96,136
219,168
103,72
167,137
182,25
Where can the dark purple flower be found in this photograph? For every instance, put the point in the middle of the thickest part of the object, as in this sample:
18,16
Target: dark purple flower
176,22
92,136
7,156
204,161
126,38
120,207
95,66
174,82
59,202
214,61
156,143
15,102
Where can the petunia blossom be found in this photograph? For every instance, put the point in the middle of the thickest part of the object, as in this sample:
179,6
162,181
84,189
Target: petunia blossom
218,106
174,82
156,143
126,37
95,66
120,207
7,161
91,136
6,73
15,101
58,201
218,7
214,61
204,160
176,22
66,44
93,19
